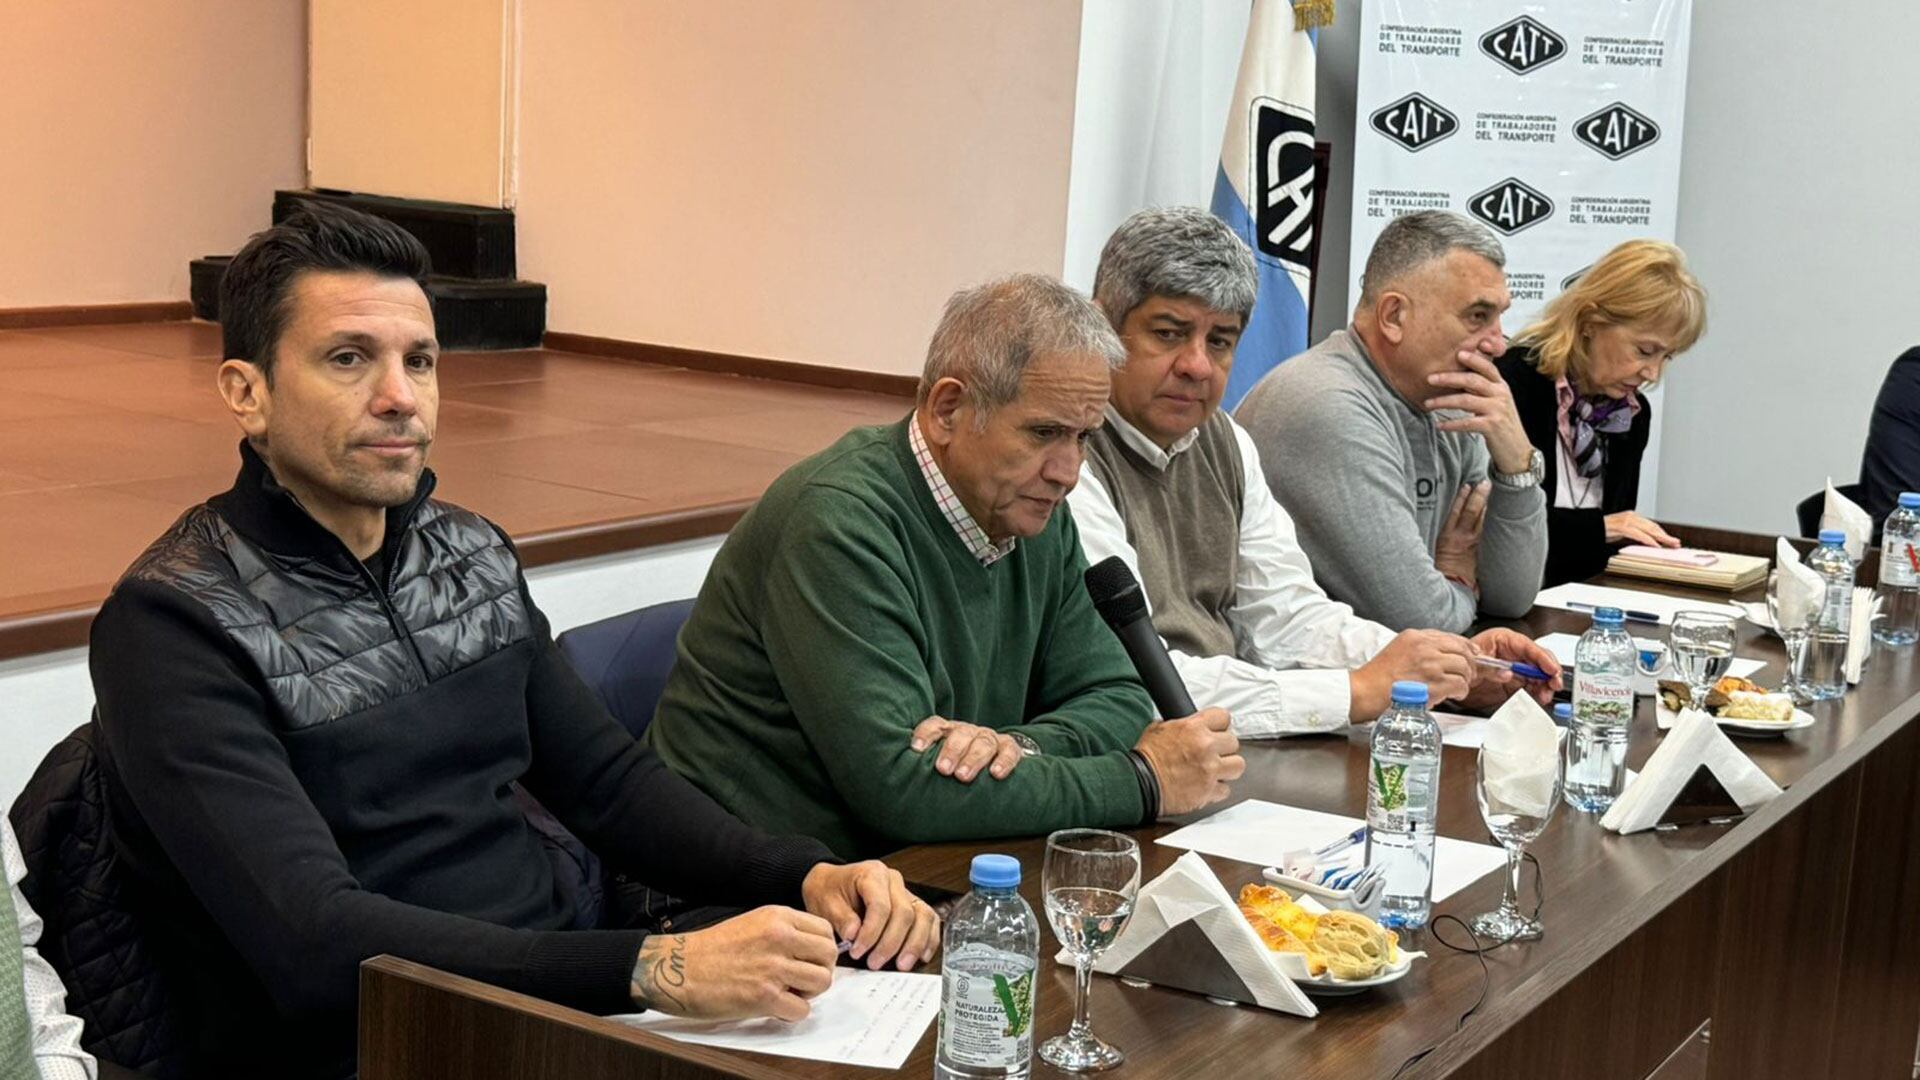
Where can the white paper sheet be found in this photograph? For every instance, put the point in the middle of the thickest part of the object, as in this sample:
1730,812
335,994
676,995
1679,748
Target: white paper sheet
1261,833
1566,596
867,1018
1456,729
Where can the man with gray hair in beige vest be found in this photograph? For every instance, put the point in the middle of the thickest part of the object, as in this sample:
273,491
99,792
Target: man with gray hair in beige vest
1174,487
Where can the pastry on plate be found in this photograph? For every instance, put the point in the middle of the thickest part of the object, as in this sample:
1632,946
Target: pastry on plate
1747,705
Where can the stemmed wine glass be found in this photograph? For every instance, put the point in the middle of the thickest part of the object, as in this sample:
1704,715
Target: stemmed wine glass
1090,879
1795,637
1515,818
1702,647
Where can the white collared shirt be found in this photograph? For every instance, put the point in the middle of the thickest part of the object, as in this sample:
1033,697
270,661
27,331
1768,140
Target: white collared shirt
951,508
56,1035
1295,645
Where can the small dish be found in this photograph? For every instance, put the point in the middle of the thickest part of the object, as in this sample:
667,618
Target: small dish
1363,901
1293,965
1754,729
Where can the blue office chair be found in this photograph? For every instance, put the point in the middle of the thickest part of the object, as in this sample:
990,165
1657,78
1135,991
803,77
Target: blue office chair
627,658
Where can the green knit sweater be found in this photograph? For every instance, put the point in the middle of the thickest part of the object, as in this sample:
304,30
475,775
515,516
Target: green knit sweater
841,612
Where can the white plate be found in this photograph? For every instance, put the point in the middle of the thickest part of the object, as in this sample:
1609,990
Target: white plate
1752,728
1328,986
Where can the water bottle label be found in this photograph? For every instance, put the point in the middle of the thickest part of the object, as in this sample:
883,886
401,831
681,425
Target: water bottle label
1838,614
986,1010
1603,699
1397,797
1899,564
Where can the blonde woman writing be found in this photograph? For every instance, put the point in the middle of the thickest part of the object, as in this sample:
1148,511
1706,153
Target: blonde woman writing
1577,376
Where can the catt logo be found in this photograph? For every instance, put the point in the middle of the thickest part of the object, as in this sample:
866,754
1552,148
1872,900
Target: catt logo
1283,175
1523,45
1510,206
1415,122
1617,131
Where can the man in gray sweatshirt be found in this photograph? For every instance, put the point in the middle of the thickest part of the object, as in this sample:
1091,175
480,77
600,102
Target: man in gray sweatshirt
1395,446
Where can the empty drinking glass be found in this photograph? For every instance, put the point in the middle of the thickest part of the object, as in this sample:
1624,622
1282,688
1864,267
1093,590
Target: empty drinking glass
1794,623
1516,815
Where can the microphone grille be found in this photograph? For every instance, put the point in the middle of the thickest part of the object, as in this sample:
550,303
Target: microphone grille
1115,591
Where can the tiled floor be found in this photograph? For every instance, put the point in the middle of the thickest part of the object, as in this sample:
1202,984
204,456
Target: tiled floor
108,432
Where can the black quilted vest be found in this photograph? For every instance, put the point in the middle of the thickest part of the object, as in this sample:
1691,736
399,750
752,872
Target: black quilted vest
306,613
396,708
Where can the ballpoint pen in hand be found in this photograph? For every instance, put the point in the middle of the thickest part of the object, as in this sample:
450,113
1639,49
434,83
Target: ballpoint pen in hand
1524,670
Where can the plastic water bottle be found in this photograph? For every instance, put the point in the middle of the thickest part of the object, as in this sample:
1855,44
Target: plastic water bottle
1899,623
1603,666
1403,797
1827,648
1563,714
992,948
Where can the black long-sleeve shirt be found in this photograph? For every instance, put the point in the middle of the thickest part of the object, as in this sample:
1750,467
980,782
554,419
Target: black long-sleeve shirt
1891,462
274,859
1577,545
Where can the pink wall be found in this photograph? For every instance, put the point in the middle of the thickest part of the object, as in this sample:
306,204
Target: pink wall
802,181
135,136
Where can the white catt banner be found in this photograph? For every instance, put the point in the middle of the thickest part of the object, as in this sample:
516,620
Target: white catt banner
1556,123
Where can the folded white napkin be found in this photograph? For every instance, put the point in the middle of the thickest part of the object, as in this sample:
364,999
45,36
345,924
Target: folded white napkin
1844,514
1802,589
1694,741
1521,755
1866,607
1189,892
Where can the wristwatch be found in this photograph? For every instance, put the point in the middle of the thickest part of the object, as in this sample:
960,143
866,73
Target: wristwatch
1536,471
1028,748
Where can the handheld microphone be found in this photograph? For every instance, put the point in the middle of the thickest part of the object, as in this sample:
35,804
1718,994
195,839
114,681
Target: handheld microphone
1119,599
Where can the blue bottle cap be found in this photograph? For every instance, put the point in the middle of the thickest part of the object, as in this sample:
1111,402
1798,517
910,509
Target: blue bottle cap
1910,500
1610,617
1563,710
995,871
1833,538
1409,692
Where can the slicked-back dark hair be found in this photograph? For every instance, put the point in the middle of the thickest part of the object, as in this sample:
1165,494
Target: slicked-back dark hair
318,236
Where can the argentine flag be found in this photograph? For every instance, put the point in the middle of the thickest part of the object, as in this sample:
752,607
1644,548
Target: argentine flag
1265,187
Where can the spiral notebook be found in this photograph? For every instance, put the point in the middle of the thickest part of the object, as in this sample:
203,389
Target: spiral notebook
1690,566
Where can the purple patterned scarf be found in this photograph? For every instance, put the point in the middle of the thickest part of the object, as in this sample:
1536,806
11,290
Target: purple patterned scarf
1593,416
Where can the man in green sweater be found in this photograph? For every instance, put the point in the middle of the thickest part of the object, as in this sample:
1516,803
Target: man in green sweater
895,644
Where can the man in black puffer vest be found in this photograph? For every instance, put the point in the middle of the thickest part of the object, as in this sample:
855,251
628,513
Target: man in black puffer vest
316,689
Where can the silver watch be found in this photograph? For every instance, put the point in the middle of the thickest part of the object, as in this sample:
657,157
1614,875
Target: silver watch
1028,748
1536,471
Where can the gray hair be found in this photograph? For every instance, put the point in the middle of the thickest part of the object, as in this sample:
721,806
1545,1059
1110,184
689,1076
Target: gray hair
989,333
1411,241
1179,251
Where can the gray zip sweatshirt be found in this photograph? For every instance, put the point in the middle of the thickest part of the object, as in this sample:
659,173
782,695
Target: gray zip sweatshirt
1369,479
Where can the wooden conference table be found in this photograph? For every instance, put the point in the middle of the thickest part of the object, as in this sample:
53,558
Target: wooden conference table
1780,945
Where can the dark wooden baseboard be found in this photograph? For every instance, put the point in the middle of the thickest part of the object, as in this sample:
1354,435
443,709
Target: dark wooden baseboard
30,318
755,367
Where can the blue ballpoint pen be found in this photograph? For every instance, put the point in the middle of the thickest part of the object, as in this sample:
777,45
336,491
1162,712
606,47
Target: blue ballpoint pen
1335,847
1524,670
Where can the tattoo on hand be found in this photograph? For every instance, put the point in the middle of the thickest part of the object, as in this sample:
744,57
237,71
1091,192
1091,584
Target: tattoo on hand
660,973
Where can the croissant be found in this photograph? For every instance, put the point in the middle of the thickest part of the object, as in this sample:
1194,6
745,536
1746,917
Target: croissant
1347,945
1353,946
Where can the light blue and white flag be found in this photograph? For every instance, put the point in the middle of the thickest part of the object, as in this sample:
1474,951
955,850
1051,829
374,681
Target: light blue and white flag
1265,186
